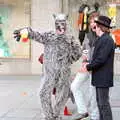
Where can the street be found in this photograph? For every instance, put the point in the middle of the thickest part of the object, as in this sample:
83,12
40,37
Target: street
19,99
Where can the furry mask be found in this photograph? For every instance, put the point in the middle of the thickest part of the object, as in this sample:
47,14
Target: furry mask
60,23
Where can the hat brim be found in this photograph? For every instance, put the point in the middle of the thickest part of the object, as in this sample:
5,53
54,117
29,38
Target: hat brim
103,24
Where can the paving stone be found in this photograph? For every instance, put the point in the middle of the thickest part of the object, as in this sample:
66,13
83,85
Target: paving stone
22,113
19,101
15,118
116,113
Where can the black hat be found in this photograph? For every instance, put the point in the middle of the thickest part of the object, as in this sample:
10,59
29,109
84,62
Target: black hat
82,7
104,20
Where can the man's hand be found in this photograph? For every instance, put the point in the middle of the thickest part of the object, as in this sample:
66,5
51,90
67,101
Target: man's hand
83,67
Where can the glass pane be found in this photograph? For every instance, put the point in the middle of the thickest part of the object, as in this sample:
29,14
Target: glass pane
14,14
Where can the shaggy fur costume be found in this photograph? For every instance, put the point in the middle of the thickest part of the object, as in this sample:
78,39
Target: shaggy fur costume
60,51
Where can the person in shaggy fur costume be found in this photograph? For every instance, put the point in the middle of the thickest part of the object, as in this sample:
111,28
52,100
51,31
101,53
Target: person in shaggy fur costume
60,51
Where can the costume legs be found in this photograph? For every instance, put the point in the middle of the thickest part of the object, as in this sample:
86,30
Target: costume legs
62,93
61,83
45,97
61,98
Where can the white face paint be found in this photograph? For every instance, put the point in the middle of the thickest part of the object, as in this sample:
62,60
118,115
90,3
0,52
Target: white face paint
60,26
92,25
98,31
86,10
60,23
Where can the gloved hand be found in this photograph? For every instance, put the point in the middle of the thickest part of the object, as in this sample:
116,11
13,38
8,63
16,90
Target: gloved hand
21,34
40,59
17,35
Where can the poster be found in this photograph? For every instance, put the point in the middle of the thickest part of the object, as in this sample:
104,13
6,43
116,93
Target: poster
112,12
14,14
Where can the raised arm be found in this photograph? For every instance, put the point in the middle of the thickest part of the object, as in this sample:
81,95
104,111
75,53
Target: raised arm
39,36
32,34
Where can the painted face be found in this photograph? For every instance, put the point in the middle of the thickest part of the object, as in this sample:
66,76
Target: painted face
60,23
60,26
86,9
93,25
97,30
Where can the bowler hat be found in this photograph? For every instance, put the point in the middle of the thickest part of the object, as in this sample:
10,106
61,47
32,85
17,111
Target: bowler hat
104,20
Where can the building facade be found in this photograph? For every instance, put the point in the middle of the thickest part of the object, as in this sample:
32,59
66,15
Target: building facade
38,15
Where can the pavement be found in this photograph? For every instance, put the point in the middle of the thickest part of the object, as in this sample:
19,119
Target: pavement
19,99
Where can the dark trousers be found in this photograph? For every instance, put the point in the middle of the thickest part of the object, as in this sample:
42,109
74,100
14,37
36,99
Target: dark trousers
81,36
102,96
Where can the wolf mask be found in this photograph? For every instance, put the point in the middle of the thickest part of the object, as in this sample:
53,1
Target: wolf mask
60,23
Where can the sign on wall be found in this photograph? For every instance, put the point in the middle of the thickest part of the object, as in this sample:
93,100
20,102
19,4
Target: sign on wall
112,12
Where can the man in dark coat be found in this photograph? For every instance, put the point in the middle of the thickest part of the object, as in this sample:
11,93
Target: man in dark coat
102,66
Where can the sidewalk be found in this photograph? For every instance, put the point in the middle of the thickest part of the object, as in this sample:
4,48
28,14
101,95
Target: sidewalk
19,100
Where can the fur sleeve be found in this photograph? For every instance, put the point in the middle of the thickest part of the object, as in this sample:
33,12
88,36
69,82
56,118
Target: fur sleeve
76,50
39,37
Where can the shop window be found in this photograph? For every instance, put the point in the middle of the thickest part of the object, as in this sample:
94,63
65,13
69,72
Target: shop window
14,14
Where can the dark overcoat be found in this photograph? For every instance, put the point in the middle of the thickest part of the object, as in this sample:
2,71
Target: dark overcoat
102,62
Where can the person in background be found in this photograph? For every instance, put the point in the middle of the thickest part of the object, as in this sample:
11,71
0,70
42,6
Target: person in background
83,76
83,22
101,66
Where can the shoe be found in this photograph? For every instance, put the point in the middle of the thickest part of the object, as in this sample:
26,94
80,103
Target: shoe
81,116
